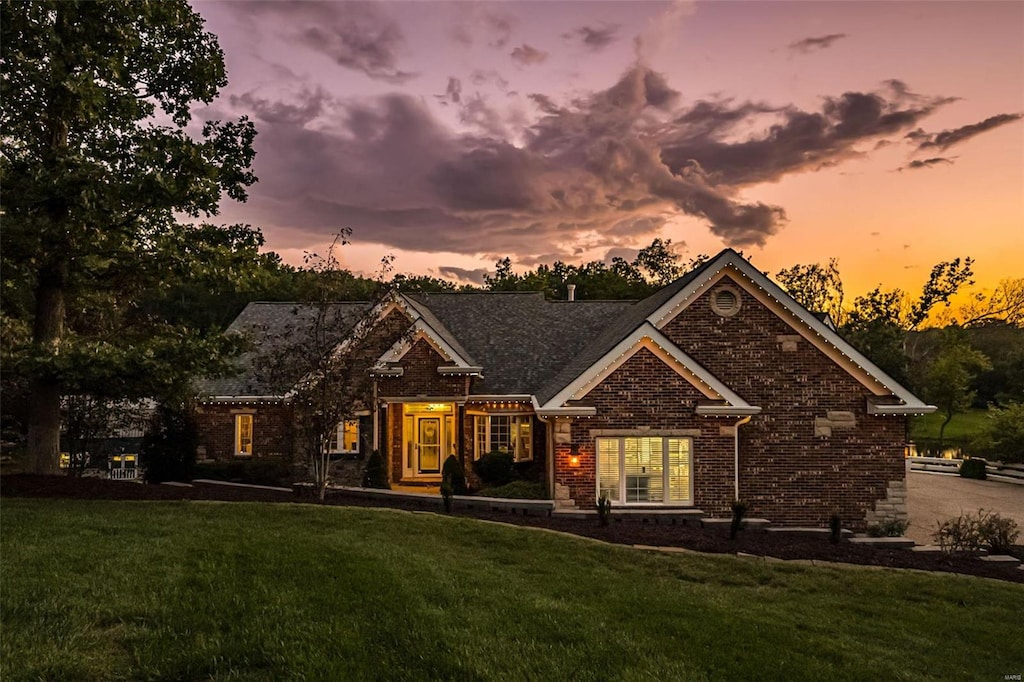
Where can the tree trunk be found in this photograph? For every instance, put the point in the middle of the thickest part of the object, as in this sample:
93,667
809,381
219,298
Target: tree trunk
942,429
45,390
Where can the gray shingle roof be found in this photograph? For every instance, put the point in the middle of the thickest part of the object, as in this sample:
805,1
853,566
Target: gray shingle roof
521,340
617,330
272,327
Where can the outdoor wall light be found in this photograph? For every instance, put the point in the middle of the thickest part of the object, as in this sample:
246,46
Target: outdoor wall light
574,460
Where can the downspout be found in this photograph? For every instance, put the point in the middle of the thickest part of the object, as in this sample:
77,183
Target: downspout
736,458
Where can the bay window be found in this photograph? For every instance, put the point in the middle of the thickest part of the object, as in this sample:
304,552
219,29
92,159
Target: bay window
636,470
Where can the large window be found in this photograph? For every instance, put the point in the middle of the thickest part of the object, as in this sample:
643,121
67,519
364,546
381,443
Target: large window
504,433
345,438
636,470
243,434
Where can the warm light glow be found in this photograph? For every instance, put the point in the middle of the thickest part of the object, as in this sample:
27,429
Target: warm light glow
574,461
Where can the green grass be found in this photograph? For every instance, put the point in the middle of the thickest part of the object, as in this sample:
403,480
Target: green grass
187,590
963,428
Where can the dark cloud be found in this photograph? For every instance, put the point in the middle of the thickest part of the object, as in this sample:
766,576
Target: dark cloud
607,170
926,163
356,35
528,55
475,276
593,37
948,138
818,43
453,92
796,141
484,77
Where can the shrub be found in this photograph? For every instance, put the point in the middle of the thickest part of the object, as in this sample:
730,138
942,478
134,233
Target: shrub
972,467
453,473
604,510
517,490
739,510
890,528
835,528
168,449
985,530
495,468
447,494
376,473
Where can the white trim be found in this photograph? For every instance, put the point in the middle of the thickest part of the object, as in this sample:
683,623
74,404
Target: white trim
666,502
812,329
900,409
422,330
561,411
646,336
727,410
469,370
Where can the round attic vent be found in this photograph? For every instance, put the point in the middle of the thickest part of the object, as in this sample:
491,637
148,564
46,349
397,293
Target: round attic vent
725,301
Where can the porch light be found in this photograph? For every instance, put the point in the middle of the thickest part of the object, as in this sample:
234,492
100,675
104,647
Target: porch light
574,457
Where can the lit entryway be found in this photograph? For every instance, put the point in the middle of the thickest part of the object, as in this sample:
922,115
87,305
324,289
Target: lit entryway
428,437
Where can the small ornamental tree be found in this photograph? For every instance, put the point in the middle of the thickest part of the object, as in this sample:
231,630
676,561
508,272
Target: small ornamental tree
323,360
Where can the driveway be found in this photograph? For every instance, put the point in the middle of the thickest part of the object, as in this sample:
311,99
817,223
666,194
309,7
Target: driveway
932,498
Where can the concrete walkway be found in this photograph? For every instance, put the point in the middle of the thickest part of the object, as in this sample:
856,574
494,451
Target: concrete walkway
932,498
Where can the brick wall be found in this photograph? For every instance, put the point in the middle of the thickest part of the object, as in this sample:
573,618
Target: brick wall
814,450
645,392
272,430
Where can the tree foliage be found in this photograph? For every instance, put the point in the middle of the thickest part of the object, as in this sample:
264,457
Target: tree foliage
819,288
947,378
98,160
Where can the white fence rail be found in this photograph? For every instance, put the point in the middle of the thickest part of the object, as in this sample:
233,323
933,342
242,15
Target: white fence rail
1008,473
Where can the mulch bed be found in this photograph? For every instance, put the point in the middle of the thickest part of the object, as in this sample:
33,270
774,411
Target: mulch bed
690,537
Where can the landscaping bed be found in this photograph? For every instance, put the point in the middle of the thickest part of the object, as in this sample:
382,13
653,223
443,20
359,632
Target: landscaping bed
692,537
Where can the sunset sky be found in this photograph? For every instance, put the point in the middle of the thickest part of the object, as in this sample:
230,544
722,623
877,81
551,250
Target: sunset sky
887,135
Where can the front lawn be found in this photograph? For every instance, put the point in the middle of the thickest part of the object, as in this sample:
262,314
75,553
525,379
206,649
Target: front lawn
962,428
197,590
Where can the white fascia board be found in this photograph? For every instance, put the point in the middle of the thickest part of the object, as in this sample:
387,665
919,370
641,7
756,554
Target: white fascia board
646,336
561,411
814,330
511,397
387,371
470,370
727,410
901,409
422,330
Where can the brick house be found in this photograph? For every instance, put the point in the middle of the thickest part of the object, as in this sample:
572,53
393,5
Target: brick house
717,387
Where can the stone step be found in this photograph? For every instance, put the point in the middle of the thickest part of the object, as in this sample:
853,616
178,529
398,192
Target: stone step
807,531
1001,559
726,524
886,543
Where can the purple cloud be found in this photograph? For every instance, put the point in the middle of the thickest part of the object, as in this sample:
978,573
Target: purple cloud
818,43
528,55
948,138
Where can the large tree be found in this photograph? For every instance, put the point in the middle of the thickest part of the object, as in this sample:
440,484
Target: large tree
98,159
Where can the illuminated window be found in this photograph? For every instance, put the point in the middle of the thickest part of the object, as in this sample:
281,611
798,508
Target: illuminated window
243,434
644,470
345,438
504,433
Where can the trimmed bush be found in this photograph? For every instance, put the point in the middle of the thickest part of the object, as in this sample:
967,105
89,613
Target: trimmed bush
739,510
495,468
453,473
517,490
972,467
604,510
376,473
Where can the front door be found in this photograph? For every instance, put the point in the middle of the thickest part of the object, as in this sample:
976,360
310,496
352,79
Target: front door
429,431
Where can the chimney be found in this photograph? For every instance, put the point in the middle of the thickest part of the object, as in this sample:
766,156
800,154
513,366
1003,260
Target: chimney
572,292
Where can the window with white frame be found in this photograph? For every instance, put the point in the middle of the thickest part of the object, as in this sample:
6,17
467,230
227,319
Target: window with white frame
644,469
345,438
512,433
243,434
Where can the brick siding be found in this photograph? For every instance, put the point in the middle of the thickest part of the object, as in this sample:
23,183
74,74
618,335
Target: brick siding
272,430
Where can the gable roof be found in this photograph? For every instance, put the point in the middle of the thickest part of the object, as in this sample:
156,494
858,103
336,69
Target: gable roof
661,307
271,327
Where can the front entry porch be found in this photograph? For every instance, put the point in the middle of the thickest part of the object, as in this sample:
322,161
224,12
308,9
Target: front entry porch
429,433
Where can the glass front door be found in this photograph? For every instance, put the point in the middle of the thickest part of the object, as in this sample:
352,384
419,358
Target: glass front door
429,431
